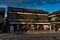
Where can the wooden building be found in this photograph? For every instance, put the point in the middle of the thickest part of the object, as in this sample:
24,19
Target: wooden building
20,17
2,12
55,20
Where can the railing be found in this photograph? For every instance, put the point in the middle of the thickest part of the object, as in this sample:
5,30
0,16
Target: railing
27,23
58,20
15,20
31,13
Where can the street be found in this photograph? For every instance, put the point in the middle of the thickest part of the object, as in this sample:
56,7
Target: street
50,36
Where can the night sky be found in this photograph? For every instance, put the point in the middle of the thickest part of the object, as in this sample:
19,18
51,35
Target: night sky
47,5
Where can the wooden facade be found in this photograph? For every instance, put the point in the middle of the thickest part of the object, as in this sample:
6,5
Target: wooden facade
18,18
55,20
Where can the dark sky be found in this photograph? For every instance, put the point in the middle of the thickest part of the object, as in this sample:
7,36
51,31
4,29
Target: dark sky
47,5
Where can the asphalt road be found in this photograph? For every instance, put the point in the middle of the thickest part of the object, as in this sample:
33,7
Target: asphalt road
48,36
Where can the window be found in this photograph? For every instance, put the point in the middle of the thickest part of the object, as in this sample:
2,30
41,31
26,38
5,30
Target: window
49,19
54,18
21,16
12,15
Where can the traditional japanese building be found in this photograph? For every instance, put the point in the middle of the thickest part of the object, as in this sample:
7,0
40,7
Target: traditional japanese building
55,20
2,12
20,17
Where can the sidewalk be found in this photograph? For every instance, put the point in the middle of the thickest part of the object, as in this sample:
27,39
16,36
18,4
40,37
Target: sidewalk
41,32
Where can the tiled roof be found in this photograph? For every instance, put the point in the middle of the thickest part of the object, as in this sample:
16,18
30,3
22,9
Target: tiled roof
55,12
26,10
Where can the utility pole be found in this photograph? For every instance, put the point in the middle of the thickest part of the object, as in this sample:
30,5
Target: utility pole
4,20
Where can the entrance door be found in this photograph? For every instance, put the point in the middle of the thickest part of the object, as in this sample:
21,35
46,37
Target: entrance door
41,27
46,27
11,28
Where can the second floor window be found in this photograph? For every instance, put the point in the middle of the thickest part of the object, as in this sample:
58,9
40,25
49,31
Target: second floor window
21,16
54,19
